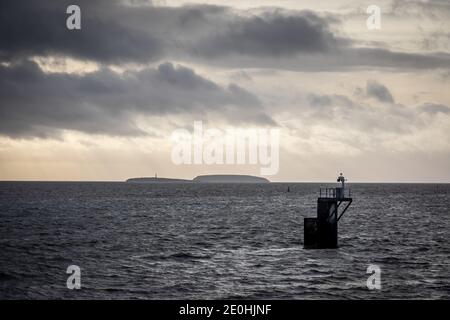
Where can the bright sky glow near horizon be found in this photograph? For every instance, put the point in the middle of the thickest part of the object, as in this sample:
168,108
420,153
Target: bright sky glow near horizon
101,103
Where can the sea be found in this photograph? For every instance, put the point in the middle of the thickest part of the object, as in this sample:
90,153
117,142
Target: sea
220,241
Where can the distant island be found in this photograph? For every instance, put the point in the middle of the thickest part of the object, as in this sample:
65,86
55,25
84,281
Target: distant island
217,178
157,180
227,178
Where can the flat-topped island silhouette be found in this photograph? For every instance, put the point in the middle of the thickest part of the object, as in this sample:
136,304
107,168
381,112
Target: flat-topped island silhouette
217,178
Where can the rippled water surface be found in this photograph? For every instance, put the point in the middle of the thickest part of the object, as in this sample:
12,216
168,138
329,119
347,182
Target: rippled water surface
209,241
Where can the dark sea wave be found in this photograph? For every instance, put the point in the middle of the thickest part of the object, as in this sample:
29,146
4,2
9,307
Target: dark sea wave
211,241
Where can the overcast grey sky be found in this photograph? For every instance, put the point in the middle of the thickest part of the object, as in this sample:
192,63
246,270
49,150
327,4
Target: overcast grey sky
100,103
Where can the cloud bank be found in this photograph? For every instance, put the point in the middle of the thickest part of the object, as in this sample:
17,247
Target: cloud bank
114,32
104,102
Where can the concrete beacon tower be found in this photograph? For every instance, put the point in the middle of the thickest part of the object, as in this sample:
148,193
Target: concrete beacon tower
322,232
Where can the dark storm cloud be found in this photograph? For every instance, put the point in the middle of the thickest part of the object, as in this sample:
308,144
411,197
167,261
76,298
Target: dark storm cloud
317,100
37,104
435,108
30,28
375,90
272,34
113,31
117,32
378,91
364,114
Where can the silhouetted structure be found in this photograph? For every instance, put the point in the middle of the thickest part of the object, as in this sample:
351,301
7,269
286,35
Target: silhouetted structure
322,232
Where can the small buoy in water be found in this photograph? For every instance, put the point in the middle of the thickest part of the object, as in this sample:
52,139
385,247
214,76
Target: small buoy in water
289,190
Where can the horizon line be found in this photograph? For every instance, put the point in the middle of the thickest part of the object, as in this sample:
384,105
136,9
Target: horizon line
327,182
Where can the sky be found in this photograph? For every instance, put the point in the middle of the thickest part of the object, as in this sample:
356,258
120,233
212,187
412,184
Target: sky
101,103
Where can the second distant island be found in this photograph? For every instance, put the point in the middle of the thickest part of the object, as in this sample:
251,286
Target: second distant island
217,178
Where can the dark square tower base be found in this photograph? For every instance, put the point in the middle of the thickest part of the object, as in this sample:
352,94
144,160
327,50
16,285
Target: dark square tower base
322,232
311,241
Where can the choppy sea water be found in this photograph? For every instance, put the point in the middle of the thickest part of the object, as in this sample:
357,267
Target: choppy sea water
219,241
